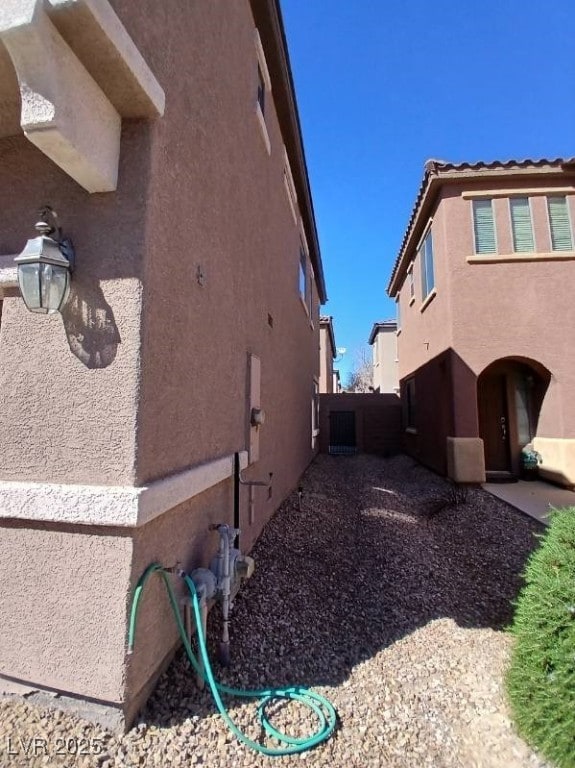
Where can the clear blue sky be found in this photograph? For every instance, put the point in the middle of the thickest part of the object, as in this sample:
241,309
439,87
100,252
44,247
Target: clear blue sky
383,85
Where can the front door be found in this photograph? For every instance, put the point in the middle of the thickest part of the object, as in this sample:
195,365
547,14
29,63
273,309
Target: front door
494,422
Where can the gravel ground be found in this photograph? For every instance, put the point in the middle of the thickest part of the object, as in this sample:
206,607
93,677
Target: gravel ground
374,593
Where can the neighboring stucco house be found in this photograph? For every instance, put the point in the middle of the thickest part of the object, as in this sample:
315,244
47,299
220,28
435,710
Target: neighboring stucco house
336,382
383,339
166,137
484,283
327,354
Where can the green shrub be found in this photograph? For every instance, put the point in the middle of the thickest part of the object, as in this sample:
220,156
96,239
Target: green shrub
541,678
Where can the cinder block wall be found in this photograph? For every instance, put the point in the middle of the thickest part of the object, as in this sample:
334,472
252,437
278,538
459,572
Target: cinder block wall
377,420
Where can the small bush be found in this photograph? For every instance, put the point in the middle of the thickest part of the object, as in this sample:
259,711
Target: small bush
455,495
541,678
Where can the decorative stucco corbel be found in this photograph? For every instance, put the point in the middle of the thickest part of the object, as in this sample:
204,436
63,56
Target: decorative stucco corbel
65,112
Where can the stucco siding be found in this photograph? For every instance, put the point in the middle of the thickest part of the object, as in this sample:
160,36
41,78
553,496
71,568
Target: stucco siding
426,330
183,273
490,307
64,617
219,198
69,383
325,361
385,365
514,309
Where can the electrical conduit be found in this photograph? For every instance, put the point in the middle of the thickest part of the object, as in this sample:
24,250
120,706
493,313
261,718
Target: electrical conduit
322,708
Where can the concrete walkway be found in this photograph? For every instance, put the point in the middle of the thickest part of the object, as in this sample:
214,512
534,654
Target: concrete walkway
534,497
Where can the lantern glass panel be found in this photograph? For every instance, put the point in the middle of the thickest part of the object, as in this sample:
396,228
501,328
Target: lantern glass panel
29,280
44,287
54,285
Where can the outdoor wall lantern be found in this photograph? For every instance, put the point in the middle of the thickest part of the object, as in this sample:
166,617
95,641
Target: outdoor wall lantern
45,266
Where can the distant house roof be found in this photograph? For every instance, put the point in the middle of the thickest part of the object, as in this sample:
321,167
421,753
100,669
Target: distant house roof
383,325
326,321
438,172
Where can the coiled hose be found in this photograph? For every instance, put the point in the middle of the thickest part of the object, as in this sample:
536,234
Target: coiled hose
320,706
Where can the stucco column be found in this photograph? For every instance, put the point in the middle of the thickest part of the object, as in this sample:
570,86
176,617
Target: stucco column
465,453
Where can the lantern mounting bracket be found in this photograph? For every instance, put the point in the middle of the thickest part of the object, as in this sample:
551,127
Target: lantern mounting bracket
54,230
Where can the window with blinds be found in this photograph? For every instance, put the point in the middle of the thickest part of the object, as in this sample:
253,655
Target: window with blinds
521,226
484,227
559,224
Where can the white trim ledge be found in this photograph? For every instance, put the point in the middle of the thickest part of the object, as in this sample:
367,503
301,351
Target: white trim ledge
428,299
516,191
8,273
502,258
263,128
124,506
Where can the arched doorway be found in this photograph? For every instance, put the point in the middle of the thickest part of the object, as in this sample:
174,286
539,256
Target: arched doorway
510,393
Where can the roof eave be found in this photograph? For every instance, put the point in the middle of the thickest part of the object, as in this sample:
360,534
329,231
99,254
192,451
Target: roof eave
268,19
377,327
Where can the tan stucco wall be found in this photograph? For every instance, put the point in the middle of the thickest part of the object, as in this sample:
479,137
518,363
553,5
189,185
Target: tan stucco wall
514,309
385,361
465,459
197,337
68,410
558,459
426,330
63,607
146,372
180,536
325,361
68,398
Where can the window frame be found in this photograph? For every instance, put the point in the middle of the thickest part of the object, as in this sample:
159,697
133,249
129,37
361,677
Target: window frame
261,92
290,188
426,291
510,200
411,284
564,197
310,283
302,275
261,98
491,201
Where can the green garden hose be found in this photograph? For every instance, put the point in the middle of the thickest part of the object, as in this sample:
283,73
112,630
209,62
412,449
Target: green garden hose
321,707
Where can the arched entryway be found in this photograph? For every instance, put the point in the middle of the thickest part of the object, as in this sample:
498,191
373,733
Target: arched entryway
510,394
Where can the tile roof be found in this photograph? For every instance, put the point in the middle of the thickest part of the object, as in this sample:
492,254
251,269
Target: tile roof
436,168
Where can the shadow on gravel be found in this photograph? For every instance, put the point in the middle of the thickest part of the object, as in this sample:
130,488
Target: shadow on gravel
365,561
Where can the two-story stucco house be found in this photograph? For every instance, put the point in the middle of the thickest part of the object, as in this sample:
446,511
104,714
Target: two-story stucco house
483,283
383,340
165,135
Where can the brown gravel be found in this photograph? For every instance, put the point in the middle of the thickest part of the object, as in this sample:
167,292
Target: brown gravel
374,593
